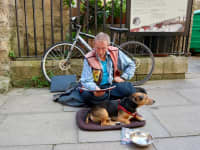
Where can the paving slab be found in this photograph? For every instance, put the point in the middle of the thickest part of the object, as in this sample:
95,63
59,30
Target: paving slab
194,64
27,104
100,146
192,76
195,82
194,68
191,94
3,99
2,118
38,129
73,109
167,97
179,120
183,143
153,125
98,136
16,91
38,91
174,84
35,147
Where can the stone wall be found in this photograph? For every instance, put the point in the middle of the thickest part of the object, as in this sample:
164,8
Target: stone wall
171,67
6,30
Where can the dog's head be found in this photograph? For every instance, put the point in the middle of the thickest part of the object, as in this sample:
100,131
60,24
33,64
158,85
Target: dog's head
141,98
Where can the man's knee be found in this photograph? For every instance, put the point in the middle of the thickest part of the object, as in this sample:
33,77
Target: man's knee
90,99
129,88
126,88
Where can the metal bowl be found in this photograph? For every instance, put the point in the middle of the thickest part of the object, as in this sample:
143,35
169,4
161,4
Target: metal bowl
141,138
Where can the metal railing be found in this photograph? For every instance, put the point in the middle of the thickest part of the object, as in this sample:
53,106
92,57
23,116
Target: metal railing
161,44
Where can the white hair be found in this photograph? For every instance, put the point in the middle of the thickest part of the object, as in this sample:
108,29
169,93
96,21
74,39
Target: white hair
101,36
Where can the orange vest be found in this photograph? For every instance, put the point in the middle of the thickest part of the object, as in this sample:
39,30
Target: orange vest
96,65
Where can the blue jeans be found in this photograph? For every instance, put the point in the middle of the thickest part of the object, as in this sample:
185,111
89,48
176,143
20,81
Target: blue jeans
123,89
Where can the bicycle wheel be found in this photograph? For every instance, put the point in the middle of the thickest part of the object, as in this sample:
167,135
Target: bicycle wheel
59,60
139,52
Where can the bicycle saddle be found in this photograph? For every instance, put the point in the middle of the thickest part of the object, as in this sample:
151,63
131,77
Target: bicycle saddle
120,30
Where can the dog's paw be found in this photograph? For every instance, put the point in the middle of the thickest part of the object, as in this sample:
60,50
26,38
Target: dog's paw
139,117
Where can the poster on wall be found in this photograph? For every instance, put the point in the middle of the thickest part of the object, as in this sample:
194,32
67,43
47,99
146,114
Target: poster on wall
158,15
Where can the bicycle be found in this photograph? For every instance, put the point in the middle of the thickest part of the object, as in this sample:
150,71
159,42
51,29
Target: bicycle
60,58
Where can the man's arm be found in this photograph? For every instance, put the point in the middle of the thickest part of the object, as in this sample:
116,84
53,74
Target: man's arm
126,65
87,77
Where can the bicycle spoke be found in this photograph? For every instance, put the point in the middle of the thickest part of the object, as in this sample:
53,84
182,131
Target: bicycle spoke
57,52
54,60
64,50
60,52
139,50
53,56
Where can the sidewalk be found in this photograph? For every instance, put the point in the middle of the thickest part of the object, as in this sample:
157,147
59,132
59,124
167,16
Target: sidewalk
29,120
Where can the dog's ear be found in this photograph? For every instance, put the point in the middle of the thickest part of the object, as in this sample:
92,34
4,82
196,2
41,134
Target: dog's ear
142,90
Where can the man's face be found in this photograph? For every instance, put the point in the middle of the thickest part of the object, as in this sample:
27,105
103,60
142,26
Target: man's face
101,48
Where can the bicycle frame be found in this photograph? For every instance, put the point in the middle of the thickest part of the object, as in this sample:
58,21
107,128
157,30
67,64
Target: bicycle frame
78,38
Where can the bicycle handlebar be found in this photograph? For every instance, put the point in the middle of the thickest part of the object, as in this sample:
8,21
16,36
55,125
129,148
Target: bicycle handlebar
77,27
74,22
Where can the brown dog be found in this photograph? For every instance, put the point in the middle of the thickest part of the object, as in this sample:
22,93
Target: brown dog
112,112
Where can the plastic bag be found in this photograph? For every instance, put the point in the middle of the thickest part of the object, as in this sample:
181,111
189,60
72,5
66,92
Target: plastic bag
125,135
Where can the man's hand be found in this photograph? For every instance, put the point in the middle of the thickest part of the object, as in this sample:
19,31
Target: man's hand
97,94
118,79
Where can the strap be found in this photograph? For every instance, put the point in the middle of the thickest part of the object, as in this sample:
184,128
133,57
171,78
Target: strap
120,107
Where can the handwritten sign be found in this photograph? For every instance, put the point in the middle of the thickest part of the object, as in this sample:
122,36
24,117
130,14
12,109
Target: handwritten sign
158,15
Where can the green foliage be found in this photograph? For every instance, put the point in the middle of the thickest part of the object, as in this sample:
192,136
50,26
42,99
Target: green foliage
89,31
92,4
66,2
39,81
100,11
84,12
50,74
117,7
12,55
67,36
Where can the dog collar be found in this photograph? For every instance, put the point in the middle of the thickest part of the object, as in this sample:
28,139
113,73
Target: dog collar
125,110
